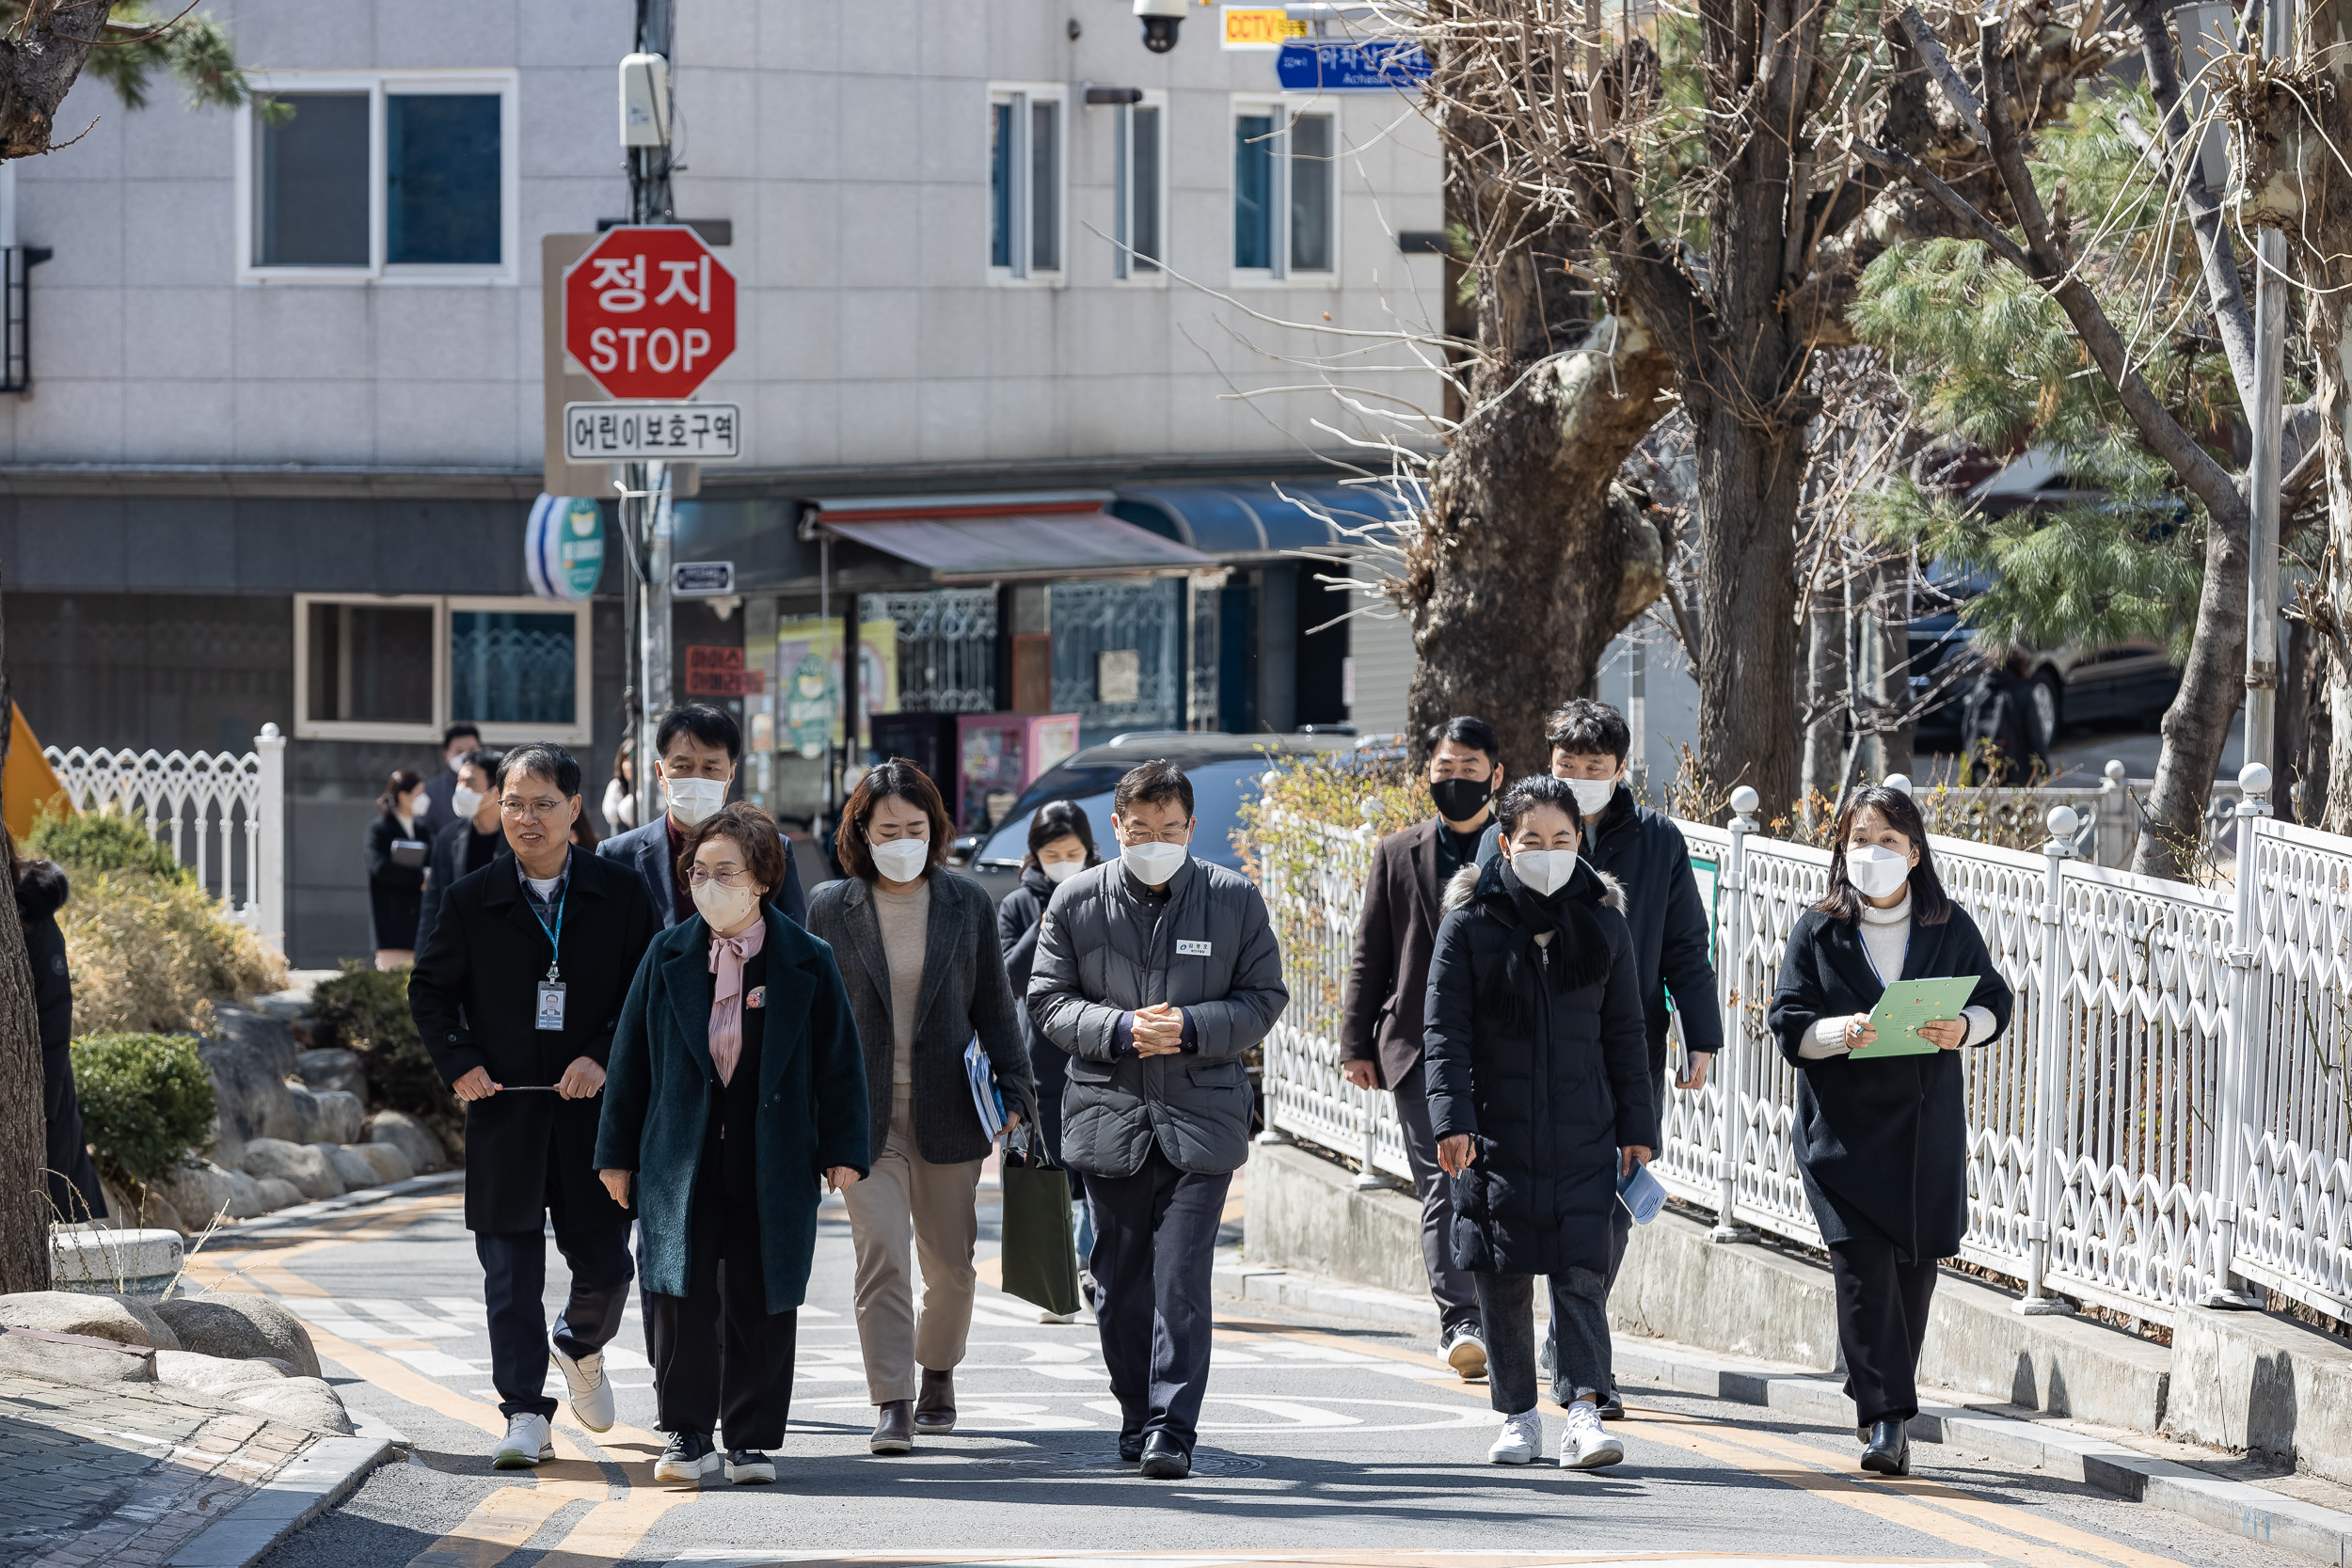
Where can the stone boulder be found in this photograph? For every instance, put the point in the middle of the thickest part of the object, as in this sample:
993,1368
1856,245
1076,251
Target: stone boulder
84,1360
270,1040
333,1069
277,1193
240,1328
328,1115
214,1376
199,1192
311,1172
92,1316
250,1060
388,1161
303,1402
410,1136
350,1169
124,1213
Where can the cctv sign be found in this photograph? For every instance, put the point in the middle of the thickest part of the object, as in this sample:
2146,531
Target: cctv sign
649,312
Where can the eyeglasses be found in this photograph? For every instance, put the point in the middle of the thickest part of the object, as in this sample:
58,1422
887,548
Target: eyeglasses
529,811
726,875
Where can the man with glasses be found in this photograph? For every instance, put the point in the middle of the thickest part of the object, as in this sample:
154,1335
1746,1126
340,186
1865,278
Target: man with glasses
695,749
515,994
1156,972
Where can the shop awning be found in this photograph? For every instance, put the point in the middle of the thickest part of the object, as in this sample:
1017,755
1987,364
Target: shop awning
1262,518
1007,538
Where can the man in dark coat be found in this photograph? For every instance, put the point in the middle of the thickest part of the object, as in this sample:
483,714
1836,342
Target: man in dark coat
1673,931
1999,734
470,843
75,1195
699,746
1157,973
459,741
1387,984
517,996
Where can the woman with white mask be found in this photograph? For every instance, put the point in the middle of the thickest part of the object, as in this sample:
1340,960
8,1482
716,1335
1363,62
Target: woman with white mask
1541,1099
1882,1139
919,953
1061,845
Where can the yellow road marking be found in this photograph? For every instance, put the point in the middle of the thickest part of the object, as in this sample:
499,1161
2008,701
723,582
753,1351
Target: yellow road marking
501,1524
609,1531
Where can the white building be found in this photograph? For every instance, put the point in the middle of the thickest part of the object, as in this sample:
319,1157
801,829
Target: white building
285,410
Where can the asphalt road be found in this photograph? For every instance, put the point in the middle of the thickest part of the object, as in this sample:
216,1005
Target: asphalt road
1322,1440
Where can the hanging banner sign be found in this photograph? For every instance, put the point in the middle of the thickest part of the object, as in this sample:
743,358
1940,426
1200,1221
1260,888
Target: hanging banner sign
1384,65
564,548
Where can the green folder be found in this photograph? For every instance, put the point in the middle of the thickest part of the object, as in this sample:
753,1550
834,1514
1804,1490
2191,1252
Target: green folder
1907,1004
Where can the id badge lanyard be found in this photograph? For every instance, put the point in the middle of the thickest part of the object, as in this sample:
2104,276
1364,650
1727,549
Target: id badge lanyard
549,1010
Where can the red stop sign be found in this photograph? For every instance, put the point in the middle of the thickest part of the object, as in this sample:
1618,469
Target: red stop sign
649,312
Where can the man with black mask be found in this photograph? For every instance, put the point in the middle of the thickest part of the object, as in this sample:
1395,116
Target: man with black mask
1387,980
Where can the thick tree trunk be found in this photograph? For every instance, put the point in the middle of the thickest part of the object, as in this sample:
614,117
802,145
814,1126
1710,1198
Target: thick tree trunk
1750,480
1532,560
24,1135
2196,725
1824,767
1889,630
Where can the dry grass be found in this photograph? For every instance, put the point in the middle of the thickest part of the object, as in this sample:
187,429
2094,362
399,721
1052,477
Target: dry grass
151,955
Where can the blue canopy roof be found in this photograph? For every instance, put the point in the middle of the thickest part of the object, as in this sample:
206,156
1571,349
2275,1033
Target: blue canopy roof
1253,519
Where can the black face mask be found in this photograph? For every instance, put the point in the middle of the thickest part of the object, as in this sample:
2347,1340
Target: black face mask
1459,800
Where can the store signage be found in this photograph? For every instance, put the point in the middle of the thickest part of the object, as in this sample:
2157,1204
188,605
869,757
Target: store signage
649,312
1384,65
720,672
564,548
1266,27
701,579
652,432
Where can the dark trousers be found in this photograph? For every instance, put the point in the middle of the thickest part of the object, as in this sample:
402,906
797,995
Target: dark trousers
514,1281
1155,1241
1450,1287
1580,1323
718,1352
1620,1233
1882,1324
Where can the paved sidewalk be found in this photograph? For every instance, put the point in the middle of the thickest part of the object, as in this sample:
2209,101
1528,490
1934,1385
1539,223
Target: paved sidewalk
126,1474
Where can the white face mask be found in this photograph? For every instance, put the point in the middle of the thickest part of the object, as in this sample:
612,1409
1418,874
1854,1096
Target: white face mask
902,859
417,806
1544,871
726,907
1058,872
692,800
1875,872
1591,795
463,803
457,762
1155,863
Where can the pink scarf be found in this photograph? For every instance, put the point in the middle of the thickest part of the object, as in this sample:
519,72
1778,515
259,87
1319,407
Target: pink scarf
727,958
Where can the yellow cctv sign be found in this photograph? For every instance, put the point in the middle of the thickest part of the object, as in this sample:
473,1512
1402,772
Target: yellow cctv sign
1259,27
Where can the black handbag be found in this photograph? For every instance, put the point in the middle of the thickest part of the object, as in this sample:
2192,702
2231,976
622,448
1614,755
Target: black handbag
1038,1254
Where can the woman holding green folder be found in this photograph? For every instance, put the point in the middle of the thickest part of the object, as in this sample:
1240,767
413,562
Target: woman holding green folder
1881,1132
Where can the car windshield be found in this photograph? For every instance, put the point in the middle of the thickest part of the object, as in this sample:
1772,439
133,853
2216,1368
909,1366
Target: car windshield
1218,790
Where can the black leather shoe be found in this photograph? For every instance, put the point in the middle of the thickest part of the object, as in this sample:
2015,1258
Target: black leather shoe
935,1409
1613,1408
1130,1448
1165,1459
1889,1450
893,1426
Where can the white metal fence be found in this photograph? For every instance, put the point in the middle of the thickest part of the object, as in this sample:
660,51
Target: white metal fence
223,814
2167,1119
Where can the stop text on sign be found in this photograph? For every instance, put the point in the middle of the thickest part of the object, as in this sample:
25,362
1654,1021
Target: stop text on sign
649,312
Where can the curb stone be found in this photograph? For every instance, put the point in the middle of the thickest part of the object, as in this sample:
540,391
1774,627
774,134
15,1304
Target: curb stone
2234,1507
302,1214
315,1480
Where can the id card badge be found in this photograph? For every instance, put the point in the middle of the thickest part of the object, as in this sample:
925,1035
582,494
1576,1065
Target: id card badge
550,1007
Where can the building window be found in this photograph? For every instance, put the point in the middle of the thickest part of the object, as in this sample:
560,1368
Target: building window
404,177
1024,183
1286,192
1141,212
401,668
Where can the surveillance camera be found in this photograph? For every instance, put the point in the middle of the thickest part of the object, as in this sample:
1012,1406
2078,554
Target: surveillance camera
1161,18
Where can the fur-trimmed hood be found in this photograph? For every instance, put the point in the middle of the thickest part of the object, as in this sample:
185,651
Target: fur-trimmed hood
41,890
1464,886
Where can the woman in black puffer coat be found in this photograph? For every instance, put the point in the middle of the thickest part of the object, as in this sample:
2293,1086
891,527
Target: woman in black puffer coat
1540,1095
40,893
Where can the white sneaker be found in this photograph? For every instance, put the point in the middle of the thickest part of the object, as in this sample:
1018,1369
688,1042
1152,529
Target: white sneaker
526,1443
1044,1317
584,1380
1466,1352
1586,1445
1520,1442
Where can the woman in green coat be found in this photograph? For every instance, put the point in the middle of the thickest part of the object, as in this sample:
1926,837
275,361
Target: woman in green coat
736,1093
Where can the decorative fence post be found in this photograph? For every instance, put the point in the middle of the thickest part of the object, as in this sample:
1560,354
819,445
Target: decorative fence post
1731,1063
266,857
2245,1029
2049,1108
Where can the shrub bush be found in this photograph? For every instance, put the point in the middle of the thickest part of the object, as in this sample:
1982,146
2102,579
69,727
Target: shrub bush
151,953
365,1009
147,1104
89,842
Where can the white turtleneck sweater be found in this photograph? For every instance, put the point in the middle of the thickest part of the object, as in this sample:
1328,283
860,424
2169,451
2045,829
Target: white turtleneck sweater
1886,938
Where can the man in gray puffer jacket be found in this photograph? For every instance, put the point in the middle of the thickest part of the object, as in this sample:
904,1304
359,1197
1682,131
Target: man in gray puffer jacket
1156,972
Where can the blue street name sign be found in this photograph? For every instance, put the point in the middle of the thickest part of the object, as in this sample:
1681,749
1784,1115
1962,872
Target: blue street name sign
1384,65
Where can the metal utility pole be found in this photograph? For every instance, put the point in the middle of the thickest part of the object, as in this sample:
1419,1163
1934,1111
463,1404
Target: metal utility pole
645,122
2261,542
